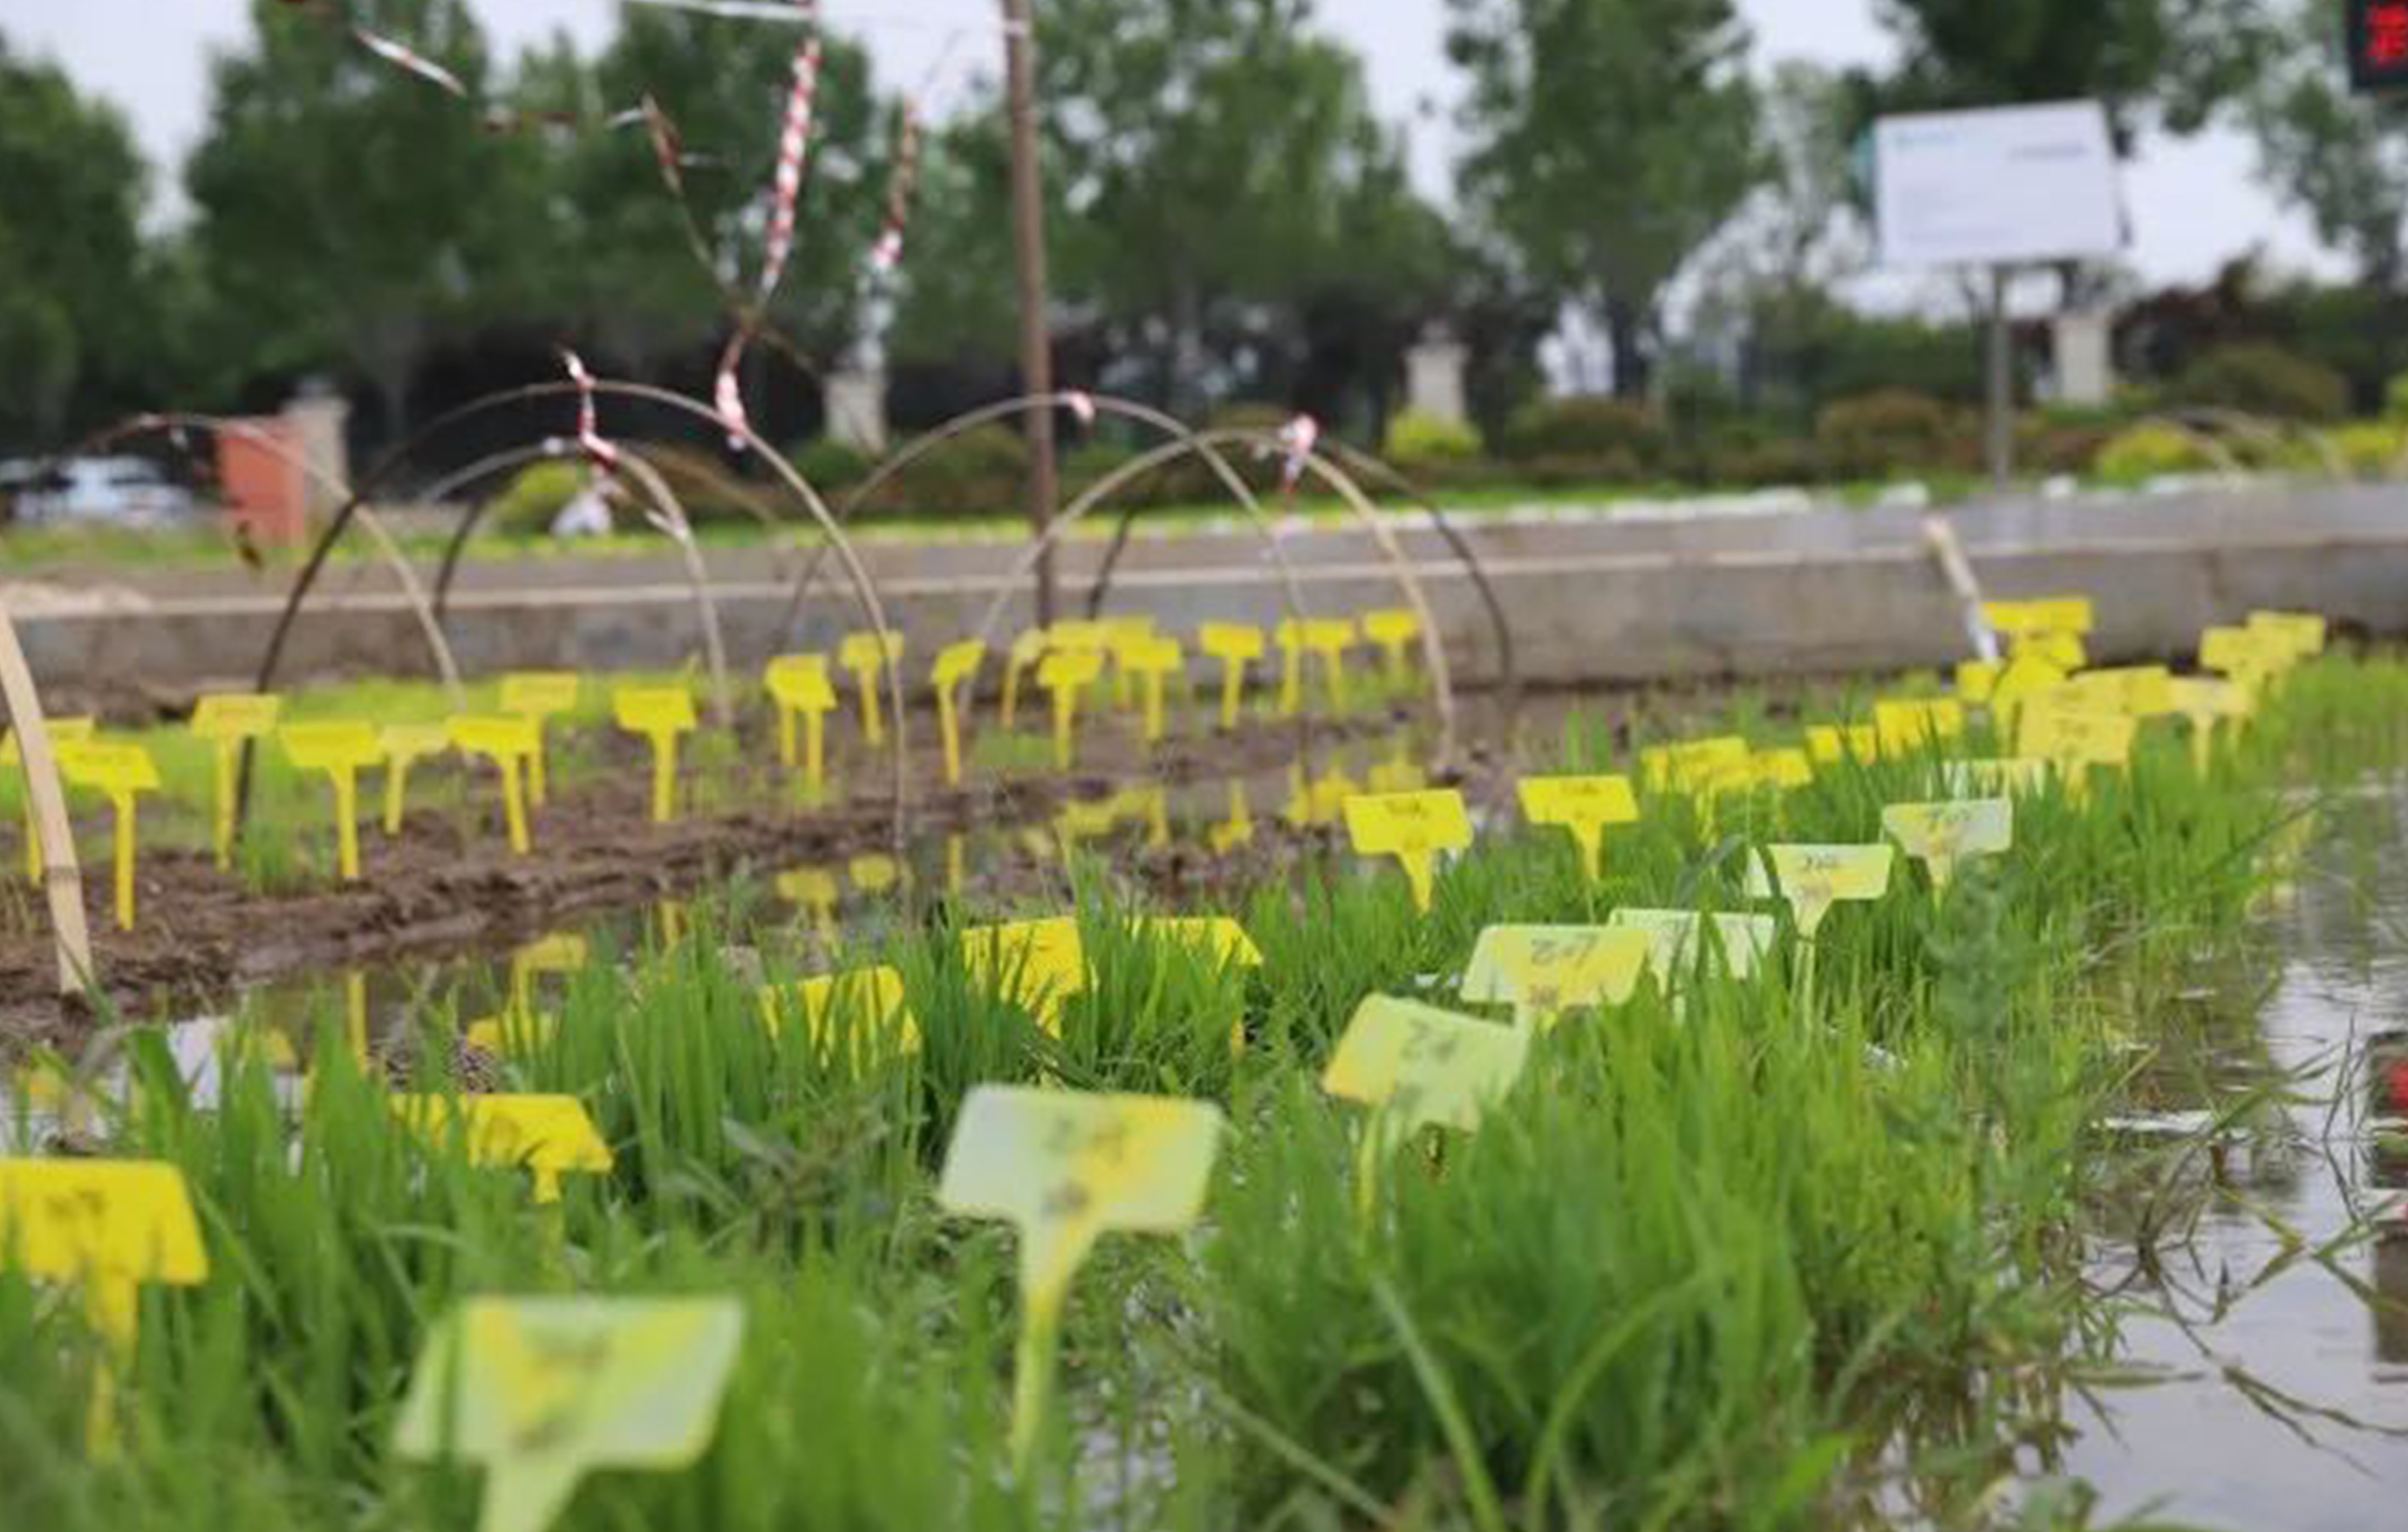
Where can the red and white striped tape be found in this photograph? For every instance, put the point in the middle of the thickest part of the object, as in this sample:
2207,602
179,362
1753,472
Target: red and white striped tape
785,193
589,433
902,182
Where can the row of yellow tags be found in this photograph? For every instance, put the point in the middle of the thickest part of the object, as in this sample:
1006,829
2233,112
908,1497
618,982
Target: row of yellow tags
542,1391
1069,659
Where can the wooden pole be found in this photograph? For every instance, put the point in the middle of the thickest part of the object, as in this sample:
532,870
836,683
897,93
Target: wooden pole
60,876
1029,243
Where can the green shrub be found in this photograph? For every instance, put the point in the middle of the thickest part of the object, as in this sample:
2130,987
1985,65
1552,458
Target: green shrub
1416,439
535,495
2257,379
1619,432
1753,454
831,464
2372,448
1892,432
982,472
2146,452
2395,398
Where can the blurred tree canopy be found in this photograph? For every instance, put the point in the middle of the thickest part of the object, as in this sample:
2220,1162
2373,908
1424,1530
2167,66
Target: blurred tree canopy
1610,139
77,336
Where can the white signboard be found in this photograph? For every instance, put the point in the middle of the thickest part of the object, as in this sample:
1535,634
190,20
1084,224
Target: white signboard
2004,186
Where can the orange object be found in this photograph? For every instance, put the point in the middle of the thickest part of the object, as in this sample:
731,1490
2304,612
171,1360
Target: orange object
260,471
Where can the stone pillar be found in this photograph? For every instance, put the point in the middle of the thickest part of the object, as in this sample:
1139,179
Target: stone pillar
315,420
1434,377
856,401
2084,357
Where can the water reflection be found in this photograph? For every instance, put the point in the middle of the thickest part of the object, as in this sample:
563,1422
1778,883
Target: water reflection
2276,1325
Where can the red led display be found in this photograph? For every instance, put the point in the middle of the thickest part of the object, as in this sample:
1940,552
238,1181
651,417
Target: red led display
2378,43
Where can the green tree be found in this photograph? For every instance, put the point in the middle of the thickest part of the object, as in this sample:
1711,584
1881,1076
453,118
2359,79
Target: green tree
1225,214
2341,158
72,318
2177,58
1611,139
349,210
624,268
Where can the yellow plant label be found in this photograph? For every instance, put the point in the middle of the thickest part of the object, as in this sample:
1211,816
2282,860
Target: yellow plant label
1941,835
1417,1065
2302,635
1413,827
232,717
1686,766
1393,627
2245,656
1584,806
2064,651
2010,776
958,663
540,694
542,1391
1815,878
548,1135
1042,962
499,737
1828,744
2073,737
653,710
411,741
1977,679
1785,767
800,682
1071,667
874,873
1739,941
2139,691
330,746
1065,1167
115,768
1904,726
869,651
1541,970
1239,641
872,998
101,1221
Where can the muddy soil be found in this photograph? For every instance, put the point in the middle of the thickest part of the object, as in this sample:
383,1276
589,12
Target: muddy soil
448,882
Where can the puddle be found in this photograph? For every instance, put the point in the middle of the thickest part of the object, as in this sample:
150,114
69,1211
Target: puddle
2279,1391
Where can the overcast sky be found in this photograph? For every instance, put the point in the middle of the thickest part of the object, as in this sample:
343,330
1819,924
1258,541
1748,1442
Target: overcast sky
2193,204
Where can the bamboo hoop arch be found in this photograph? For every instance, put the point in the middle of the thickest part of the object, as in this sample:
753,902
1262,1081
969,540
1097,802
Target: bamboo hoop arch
1336,477
865,589
1106,404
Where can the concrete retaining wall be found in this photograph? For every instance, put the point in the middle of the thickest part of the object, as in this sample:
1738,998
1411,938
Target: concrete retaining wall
1591,598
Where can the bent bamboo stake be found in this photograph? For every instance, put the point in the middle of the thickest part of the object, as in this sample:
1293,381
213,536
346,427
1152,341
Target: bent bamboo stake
60,877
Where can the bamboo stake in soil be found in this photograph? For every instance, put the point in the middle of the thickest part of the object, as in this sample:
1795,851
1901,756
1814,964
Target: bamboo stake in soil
60,876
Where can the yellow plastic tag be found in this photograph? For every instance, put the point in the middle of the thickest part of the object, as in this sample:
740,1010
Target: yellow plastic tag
1977,679
123,772
537,695
2072,739
2207,702
1543,970
1828,744
542,1391
799,683
867,654
1238,829
109,1227
226,720
1331,639
1781,768
548,1135
2248,658
515,745
1152,661
955,664
1394,630
1419,1065
2303,634
2064,651
1413,827
874,997
1064,1167
1686,767
232,717
1813,878
1741,942
1236,645
1066,673
1584,806
1941,835
2138,691
2022,680
1903,727
402,746
339,749
813,889
2009,777
1041,959
660,714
